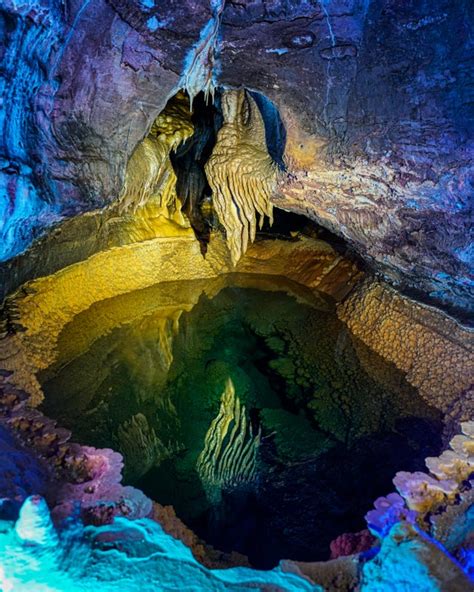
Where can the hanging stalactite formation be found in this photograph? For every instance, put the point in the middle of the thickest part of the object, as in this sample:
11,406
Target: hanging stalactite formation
240,171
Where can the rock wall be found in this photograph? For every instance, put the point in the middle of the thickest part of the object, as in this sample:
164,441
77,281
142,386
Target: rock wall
435,352
376,97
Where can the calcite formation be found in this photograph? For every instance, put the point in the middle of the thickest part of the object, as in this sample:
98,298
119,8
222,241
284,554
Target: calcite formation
431,510
42,316
426,566
375,98
356,114
149,175
140,446
240,171
435,352
122,270
78,481
84,560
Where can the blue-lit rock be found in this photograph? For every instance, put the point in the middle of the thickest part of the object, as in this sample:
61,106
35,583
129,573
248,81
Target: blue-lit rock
127,555
411,560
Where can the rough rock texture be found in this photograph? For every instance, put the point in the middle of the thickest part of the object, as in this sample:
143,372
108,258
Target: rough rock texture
351,543
436,353
35,318
430,516
376,96
408,560
77,481
128,555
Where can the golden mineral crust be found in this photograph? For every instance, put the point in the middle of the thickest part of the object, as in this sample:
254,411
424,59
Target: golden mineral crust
240,172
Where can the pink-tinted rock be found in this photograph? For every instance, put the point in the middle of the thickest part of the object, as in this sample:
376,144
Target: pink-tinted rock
351,543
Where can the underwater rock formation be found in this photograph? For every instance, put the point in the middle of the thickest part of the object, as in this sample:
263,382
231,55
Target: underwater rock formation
50,304
140,446
71,476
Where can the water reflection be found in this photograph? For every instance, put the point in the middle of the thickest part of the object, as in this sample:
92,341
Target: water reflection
247,405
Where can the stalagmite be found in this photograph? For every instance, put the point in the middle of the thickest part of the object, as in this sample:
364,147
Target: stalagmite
34,524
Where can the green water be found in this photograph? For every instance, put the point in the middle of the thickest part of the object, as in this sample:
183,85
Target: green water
322,425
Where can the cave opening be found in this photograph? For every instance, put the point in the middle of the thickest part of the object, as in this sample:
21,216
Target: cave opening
248,407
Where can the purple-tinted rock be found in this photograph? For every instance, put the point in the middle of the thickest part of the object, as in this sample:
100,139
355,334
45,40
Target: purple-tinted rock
388,511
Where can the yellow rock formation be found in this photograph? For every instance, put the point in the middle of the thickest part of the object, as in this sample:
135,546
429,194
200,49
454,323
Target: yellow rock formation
149,174
50,303
240,172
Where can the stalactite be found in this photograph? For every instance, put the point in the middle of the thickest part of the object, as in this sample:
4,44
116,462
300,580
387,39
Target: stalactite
200,61
149,172
229,457
240,171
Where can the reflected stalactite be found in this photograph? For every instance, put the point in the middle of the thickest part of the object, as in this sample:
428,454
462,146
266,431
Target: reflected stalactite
141,447
229,457
240,172
155,333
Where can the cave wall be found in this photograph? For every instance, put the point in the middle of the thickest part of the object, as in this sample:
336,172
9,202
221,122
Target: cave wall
376,97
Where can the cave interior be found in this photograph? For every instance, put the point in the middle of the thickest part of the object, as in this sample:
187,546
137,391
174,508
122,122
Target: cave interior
236,262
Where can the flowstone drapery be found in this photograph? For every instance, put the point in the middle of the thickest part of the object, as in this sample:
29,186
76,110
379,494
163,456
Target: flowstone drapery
149,173
240,172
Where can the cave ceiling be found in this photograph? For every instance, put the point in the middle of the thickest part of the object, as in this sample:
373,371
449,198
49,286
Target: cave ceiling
376,98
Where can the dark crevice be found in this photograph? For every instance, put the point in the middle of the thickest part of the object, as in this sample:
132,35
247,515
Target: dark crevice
188,162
